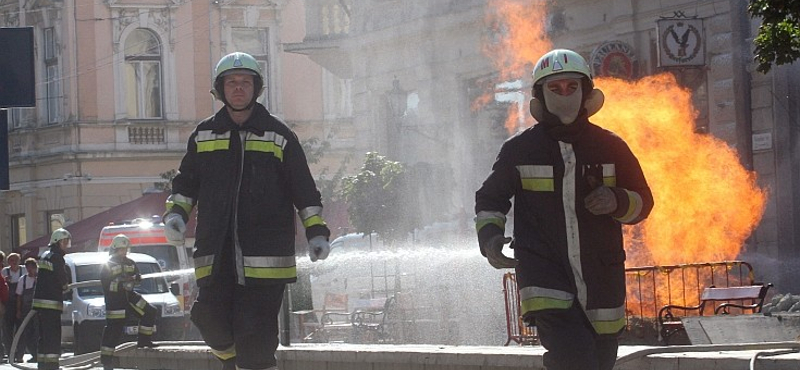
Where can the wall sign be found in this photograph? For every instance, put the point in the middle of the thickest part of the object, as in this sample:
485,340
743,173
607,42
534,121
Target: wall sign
680,42
613,59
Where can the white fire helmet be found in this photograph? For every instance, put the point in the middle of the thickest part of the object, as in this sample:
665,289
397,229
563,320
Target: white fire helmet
59,235
120,242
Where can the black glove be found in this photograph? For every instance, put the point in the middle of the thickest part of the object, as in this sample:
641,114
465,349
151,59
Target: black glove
494,253
601,201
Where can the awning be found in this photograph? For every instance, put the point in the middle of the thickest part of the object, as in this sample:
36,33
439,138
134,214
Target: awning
86,232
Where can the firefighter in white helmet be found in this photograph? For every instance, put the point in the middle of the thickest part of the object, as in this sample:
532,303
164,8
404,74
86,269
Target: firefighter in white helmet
118,277
248,172
574,185
48,298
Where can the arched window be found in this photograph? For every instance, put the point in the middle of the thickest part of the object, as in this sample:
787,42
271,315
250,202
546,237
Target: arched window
143,75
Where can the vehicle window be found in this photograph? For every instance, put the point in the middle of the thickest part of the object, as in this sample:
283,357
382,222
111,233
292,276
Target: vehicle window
165,254
88,272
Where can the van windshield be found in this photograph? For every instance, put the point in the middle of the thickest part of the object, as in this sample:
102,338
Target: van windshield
147,286
165,254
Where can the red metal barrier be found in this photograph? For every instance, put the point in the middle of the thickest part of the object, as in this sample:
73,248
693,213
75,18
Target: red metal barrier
515,327
649,289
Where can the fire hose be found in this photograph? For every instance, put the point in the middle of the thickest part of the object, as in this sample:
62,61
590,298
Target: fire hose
86,360
769,349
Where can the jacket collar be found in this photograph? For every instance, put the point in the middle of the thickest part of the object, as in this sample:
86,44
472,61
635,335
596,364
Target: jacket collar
257,123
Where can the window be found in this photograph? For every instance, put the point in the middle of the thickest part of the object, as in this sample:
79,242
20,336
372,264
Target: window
52,80
53,87
143,75
55,220
254,42
18,231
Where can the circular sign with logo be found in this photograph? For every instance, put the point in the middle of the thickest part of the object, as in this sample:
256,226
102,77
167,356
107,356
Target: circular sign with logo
680,42
613,59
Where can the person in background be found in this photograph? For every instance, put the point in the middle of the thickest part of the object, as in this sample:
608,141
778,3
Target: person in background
3,304
118,277
48,296
25,289
574,185
11,274
246,171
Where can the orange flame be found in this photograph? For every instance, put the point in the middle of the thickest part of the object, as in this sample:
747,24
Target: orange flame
706,203
518,28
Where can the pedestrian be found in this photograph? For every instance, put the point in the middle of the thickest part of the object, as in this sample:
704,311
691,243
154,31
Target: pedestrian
574,185
51,282
11,274
118,278
25,289
3,304
246,171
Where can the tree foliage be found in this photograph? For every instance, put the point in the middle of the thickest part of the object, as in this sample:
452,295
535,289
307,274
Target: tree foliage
778,39
376,196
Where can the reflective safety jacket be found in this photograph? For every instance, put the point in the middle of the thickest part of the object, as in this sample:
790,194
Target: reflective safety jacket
246,182
51,281
118,277
566,254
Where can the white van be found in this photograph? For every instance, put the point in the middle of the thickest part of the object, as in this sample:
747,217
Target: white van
84,315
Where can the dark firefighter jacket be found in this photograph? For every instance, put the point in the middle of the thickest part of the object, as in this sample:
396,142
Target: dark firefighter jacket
51,281
118,277
566,253
246,182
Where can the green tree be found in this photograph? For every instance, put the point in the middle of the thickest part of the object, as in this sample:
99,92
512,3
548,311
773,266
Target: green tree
778,39
376,197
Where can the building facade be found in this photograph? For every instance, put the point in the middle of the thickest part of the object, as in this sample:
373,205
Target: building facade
120,86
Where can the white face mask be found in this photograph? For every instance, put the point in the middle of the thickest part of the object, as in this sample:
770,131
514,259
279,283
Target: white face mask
566,108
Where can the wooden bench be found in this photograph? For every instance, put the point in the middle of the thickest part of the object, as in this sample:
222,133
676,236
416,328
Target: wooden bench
750,300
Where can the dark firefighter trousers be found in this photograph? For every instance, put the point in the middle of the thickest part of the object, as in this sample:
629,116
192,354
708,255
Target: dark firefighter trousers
571,342
49,339
115,326
239,323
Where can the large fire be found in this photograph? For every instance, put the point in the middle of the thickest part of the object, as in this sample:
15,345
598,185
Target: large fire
707,204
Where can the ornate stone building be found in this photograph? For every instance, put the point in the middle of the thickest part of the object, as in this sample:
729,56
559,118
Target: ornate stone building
120,84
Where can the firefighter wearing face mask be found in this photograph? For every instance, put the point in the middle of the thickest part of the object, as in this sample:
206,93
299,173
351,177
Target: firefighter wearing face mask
118,277
574,185
247,173
48,298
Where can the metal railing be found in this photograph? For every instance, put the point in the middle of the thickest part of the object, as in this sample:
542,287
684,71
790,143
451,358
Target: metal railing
649,289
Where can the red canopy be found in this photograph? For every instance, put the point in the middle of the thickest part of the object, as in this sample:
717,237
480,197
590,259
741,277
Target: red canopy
86,232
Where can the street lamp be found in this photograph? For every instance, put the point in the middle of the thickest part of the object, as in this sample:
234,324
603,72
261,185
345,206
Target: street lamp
397,100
